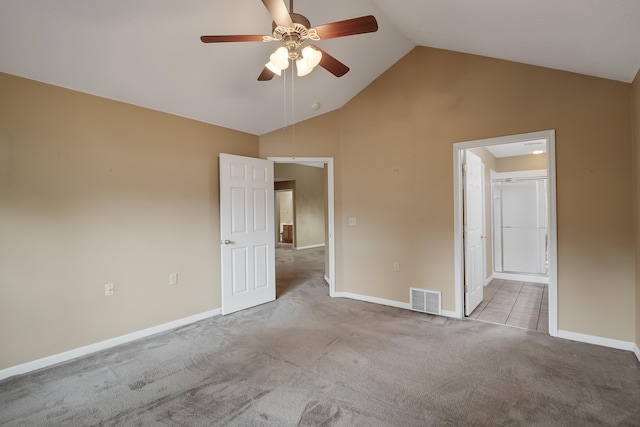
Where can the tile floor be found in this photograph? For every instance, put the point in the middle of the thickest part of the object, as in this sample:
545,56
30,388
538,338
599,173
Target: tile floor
520,304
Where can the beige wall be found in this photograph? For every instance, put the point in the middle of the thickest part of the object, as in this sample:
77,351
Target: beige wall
636,146
94,191
394,173
521,163
308,199
285,203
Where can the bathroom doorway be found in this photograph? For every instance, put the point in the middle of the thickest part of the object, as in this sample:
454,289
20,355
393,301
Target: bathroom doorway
514,290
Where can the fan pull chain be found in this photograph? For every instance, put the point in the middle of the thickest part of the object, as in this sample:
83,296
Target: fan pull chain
284,99
293,113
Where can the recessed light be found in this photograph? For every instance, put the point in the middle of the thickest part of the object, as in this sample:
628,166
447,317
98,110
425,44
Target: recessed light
537,152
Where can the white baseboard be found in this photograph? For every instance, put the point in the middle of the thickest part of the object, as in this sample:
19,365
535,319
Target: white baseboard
326,279
447,313
521,277
591,339
321,245
489,279
390,303
574,336
374,300
102,345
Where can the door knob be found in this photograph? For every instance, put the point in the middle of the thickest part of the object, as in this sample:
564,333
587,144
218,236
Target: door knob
227,242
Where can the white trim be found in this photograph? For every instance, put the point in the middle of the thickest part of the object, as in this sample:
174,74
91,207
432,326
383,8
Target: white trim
314,161
553,234
489,279
447,313
103,345
591,339
373,300
521,277
458,148
390,303
539,173
458,221
326,279
484,224
636,350
320,245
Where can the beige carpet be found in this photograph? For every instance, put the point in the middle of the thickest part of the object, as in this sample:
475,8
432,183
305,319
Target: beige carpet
311,360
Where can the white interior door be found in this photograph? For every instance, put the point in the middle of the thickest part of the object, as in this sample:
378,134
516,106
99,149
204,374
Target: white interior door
247,232
473,226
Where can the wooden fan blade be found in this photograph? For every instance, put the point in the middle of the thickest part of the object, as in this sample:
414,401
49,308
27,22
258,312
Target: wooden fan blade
278,11
350,27
266,75
332,65
224,39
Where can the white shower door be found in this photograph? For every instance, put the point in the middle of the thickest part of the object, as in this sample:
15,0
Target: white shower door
520,225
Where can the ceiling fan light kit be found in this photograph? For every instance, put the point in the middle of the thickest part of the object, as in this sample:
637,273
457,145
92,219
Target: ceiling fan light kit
310,59
293,31
303,68
312,55
272,68
279,60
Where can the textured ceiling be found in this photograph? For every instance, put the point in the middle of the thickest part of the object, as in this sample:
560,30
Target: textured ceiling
148,52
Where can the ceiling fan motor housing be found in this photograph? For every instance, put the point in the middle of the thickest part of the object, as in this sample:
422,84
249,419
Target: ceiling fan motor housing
293,38
297,19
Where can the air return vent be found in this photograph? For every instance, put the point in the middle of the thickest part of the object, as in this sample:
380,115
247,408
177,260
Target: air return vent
426,301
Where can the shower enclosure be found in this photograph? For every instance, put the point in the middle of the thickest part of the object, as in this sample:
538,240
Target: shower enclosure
520,221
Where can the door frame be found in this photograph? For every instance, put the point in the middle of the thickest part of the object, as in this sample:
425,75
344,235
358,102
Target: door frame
330,245
458,148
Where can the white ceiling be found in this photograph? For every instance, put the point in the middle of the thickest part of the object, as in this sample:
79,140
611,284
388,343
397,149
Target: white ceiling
148,52
513,149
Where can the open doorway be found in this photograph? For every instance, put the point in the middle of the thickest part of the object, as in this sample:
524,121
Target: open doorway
248,230
312,229
284,216
518,230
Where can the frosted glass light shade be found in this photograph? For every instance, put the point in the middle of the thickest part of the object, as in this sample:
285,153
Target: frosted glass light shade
280,58
303,67
312,56
273,68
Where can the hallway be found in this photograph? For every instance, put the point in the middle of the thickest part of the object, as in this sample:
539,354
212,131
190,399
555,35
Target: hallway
296,267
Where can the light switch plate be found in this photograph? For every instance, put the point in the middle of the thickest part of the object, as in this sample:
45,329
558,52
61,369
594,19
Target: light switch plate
108,289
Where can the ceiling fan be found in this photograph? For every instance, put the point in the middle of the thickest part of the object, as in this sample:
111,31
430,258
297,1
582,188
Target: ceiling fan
294,31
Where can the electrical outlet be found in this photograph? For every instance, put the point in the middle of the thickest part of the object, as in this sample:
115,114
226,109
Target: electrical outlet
396,266
352,221
108,289
173,279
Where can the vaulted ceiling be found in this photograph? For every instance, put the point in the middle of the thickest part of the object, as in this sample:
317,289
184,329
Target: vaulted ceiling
148,52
